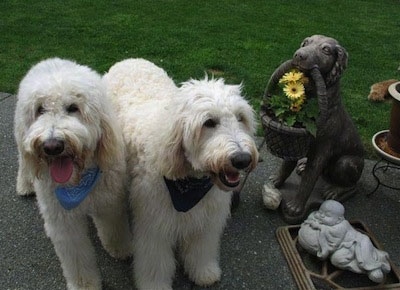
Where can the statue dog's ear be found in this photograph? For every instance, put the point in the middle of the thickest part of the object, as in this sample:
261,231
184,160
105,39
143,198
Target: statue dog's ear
305,42
339,66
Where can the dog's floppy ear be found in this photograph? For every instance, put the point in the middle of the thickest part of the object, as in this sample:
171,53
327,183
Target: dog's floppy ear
305,42
109,147
173,164
339,66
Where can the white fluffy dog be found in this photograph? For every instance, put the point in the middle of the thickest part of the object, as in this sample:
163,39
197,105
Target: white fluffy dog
71,154
186,147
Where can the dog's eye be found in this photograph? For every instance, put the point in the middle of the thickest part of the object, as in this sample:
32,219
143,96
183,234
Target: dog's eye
210,123
305,42
326,49
40,111
240,118
73,108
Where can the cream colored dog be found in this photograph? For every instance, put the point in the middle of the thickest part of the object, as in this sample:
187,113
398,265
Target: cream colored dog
71,155
379,91
186,147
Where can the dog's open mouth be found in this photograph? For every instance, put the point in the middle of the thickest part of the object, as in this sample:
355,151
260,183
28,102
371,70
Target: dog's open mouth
301,67
230,178
61,169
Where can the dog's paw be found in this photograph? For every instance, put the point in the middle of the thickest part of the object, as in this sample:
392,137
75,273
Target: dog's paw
207,276
121,254
294,207
115,237
276,180
301,165
24,185
119,249
85,285
154,285
338,193
272,197
25,191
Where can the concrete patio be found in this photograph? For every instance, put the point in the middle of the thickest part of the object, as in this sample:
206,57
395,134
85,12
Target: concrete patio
251,257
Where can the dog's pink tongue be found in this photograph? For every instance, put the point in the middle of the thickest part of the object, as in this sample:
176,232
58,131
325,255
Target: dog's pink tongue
232,177
61,169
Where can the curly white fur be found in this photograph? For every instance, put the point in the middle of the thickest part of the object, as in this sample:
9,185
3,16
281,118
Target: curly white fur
195,130
61,103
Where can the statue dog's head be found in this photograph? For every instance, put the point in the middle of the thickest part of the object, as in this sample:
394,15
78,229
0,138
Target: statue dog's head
323,52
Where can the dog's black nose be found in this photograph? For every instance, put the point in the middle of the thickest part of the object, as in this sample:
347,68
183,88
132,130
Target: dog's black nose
53,146
241,160
300,55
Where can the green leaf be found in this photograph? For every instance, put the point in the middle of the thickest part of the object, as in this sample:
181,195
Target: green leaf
290,120
279,112
311,127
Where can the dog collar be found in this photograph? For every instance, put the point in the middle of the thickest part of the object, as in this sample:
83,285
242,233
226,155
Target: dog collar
186,193
71,196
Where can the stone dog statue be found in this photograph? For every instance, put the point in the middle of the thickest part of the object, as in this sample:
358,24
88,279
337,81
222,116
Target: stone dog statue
337,153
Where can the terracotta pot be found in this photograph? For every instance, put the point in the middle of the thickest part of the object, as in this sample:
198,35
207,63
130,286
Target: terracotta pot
394,129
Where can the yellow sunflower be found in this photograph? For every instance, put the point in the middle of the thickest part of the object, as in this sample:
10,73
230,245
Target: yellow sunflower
296,105
294,90
304,79
295,108
292,76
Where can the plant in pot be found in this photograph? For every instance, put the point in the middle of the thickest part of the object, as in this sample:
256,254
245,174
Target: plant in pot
290,110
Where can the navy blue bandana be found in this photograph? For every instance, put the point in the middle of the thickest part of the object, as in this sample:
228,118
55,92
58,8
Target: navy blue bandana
186,193
71,197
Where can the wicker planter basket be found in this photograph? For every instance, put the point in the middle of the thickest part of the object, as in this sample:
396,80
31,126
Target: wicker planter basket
289,143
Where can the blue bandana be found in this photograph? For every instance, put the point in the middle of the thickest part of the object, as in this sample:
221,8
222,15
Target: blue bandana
186,193
71,197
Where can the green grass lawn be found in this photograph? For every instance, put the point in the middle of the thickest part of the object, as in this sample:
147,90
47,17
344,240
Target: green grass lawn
239,40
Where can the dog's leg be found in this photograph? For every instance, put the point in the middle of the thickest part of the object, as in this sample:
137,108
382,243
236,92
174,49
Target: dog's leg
69,234
24,178
200,250
200,254
342,177
154,259
112,223
315,165
284,172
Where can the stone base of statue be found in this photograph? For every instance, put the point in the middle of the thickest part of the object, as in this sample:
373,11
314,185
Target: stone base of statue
272,196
